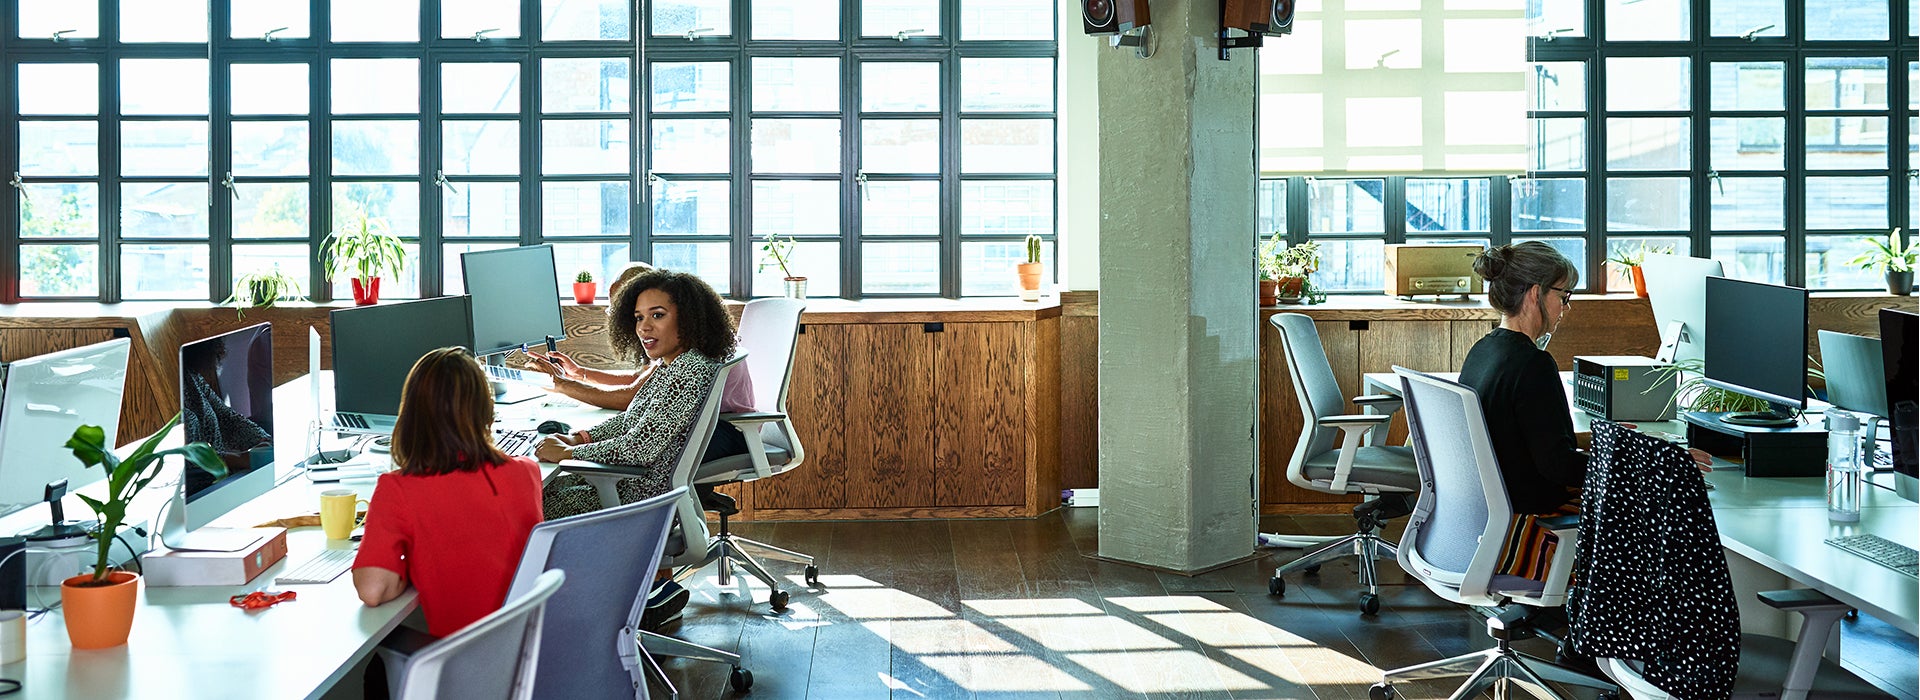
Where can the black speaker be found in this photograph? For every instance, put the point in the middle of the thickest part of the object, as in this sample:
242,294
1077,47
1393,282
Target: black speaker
1246,15
13,573
1099,17
1281,19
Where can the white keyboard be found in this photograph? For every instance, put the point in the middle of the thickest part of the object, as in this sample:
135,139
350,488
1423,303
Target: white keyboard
323,568
516,443
500,373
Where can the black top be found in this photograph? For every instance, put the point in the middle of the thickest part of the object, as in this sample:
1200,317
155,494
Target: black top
1527,419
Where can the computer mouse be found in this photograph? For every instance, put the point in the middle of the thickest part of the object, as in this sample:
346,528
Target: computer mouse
553,427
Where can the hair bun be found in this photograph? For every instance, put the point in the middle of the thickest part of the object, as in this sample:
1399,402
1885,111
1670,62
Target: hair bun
1491,263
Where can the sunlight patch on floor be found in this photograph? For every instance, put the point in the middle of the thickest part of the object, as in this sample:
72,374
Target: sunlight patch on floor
939,637
1183,671
1032,607
1004,673
1088,633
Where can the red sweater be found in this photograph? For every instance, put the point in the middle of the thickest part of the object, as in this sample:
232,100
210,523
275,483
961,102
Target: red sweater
456,537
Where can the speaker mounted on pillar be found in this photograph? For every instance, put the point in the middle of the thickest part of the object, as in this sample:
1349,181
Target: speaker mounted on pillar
1271,17
1113,16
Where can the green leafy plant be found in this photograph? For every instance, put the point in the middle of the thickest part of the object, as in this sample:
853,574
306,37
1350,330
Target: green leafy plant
1693,394
1269,256
126,477
1632,257
364,250
1886,253
262,289
1033,249
779,254
585,277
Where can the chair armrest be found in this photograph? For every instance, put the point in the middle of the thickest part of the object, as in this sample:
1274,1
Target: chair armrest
1800,600
1352,430
1378,401
1371,419
581,466
1821,613
1559,523
753,418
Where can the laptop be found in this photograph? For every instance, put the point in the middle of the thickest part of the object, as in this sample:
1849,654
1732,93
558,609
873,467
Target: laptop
349,423
1856,380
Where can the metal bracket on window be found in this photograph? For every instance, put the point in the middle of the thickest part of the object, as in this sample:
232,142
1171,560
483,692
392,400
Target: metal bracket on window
695,33
268,37
228,183
1381,62
860,182
22,186
1911,174
652,178
1749,35
1718,184
904,33
440,180
61,34
1553,33
481,36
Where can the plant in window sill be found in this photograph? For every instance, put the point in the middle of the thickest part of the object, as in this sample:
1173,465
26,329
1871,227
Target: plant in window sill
1291,269
364,250
780,254
256,290
1031,271
1896,262
583,287
1627,263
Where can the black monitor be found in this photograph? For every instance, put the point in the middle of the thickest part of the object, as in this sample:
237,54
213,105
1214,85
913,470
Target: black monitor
375,346
1757,346
1900,354
516,297
226,401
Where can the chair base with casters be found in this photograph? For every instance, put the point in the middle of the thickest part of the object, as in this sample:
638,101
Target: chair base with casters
1500,669
1365,543
734,550
653,645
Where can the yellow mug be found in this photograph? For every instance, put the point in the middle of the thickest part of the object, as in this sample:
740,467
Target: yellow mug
339,512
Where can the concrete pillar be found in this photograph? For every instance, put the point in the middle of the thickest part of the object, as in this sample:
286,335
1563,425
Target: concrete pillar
1179,360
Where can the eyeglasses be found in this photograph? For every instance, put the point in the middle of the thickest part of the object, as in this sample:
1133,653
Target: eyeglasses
1566,295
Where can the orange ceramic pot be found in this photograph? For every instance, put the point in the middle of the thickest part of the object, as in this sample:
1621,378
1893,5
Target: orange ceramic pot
99,617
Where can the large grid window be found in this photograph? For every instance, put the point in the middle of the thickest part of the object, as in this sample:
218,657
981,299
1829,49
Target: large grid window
164,147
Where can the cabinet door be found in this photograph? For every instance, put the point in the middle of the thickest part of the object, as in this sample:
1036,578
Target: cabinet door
862,401
1281,419
981,423
1421,345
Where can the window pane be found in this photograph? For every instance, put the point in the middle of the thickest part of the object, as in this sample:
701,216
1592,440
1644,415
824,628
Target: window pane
1006,84
270,148
796,146
1575,249
796,208
707,260
1619,278
1559,144
163,86
59,148
270,209
59,88
585,20
900,145
590,146
796,19
59,210
1558,86
1557,18
1648,20
586,209
691,208
691,87
1846,83
1449,205
396,202
163,210
376,147
1840,20
163,148
453,276
289,259
1754,85
491,19
375,20
900,209
585,85
269,88
1549,204
1006,145
1748,143
900,18
692,18
796,84
1847,143
819,262
1828,265
1272,214
1346,206
1016,20
1641,204
1752,258
1846,202
163,271
1006,208
376,85
1648,83
690,146
253,19
1351,264
899,87
1747,18
899,268
989,268
604,260
479,88
59,270
481,209
480,147
405,285
39,19
1648,143
182,21
1748,203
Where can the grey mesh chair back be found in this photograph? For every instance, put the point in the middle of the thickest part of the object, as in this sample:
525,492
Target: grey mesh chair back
591,650
495,657
1455,534
769,332
1313,382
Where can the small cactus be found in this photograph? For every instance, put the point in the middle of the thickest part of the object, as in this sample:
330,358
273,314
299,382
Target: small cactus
1033,248
584,277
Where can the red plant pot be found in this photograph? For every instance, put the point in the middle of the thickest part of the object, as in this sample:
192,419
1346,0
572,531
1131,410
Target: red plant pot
583,292
366,294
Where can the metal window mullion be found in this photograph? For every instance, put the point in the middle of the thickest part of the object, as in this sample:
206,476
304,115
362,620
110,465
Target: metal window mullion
1700,140
952,184
1794,86
109,156
850,153
219,166
1500,215
640,194
319,170
1596,173
739,133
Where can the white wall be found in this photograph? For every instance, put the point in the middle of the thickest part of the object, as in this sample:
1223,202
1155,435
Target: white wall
1079,144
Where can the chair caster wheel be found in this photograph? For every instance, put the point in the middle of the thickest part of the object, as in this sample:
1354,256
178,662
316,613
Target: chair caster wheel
741,681
1380,691
1369,604
1311,570
778,600
1608,695
813,576
1277,587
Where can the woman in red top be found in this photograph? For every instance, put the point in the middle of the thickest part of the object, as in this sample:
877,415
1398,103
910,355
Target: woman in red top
455,516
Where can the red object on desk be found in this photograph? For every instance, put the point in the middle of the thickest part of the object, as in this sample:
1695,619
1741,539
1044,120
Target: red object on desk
261,600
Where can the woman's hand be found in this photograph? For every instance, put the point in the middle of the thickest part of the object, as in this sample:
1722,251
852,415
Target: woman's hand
1701,458
555,363
552,449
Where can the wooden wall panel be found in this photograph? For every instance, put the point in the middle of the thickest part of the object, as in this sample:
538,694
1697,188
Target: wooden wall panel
1041,428
1463,335
980,419
1421,345
818,393
1281,418
888,415
1079,390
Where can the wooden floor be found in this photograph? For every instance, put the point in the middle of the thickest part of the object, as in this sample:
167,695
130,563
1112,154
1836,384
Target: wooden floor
1016,609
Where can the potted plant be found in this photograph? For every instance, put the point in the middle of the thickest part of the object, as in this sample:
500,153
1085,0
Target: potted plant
365,250
1897,262
583,287
262,290
780,253
1692,393
1293,267
98,606
1628,262
1269,264
1030,271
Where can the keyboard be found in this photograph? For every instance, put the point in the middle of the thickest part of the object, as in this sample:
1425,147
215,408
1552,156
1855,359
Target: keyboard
500,373
516,443
324,568
349,420
1880,551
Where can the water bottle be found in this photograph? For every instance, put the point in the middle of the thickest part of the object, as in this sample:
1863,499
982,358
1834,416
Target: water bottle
1843,466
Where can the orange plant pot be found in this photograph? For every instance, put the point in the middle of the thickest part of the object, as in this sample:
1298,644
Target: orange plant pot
1029,275
1639,281
583,292
1290,287
1269,292
99,617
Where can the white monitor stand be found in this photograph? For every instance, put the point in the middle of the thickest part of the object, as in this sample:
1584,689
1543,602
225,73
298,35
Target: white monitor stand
1670,339
175,534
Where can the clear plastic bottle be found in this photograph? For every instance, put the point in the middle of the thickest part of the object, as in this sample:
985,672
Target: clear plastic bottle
1843,466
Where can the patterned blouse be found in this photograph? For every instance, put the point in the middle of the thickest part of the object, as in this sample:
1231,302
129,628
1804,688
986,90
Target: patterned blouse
650,434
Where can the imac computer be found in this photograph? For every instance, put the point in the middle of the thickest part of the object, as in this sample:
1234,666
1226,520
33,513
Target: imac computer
1677,288
1900,355
44,400
516,303
374,347
1756,340
226,401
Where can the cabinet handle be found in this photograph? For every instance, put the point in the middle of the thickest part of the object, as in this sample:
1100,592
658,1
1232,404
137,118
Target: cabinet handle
933,327
803,329
1356,325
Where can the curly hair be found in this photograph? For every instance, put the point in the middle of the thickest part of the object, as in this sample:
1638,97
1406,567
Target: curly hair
702,320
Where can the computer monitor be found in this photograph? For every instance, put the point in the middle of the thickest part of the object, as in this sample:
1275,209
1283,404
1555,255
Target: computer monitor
226,401
1677,288
1756,341
1900,355
515,298
375,346
1853,366
45,398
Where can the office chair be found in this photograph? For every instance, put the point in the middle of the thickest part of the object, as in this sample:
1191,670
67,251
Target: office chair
613,553
769,330
1771,667
495,657
1454,540
1319,464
